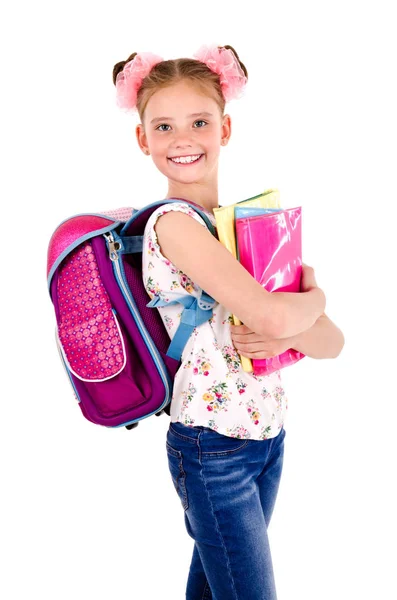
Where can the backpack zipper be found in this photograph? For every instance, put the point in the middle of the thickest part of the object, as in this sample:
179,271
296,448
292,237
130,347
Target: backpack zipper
114,246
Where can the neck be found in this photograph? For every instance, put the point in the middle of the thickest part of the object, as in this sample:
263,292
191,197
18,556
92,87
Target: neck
204,195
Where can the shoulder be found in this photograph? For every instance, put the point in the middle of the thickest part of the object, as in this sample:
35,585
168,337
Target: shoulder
170,229
173,208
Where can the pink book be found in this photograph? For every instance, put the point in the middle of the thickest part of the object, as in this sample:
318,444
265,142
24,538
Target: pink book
269,246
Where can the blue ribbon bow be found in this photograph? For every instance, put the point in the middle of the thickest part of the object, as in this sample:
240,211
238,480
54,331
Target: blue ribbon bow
196,311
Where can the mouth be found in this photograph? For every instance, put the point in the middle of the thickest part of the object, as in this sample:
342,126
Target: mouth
187,164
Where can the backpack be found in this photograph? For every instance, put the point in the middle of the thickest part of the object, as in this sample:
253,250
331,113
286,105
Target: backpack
115,348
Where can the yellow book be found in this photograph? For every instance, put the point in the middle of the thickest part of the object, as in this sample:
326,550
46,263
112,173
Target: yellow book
224,217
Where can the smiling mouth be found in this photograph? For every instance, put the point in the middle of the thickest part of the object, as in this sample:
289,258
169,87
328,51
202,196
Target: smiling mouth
187,163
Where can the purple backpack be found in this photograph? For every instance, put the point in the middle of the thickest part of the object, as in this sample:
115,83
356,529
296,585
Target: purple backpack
113,345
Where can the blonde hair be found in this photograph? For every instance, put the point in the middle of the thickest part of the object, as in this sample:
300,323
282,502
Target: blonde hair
170,72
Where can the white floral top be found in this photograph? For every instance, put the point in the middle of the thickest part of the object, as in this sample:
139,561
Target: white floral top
210,387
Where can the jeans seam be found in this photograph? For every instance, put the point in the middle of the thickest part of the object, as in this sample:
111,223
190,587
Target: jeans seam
192,440
226,452
216,520
206,589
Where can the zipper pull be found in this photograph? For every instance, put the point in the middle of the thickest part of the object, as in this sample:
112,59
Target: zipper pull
113,246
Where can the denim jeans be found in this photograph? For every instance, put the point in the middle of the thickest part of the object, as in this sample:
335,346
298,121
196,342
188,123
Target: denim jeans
227,487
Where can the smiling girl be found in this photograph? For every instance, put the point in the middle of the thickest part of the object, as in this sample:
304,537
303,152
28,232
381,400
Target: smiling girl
225,441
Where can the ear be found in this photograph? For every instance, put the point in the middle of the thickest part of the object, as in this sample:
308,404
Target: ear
141,138
226,129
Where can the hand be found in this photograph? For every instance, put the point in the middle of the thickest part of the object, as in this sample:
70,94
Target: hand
308,283
252,345
308,280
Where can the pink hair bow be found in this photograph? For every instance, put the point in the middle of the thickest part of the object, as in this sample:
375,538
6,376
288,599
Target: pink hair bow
223,61
220,60
129,80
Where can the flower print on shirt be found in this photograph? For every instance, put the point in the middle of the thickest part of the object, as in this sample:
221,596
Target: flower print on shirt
212,320
217,397
153,288
238,432
257,377
265,432
169,323
186,420
228,321
215,344
253,411
169,264
241,385
264,393
232,358
174,285
279,394
199,366
211,423
150,249
187,396
186,283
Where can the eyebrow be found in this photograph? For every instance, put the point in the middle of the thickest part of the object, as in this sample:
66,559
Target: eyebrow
199,114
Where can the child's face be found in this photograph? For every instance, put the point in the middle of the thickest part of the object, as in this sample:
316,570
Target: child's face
176,133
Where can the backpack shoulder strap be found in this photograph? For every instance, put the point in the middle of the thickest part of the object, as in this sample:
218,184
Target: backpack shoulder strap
131,234
196,310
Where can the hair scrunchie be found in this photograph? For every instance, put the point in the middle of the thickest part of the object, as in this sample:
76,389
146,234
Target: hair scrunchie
220,60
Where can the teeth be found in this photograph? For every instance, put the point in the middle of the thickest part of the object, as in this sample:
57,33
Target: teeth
186,159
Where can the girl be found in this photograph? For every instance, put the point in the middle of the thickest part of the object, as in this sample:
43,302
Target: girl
225,440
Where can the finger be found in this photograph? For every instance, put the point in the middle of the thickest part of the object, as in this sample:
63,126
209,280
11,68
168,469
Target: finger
257,350
238,329
247,347
246,335
255,355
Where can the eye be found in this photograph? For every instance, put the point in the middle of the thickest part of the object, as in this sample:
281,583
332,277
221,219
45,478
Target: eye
166,125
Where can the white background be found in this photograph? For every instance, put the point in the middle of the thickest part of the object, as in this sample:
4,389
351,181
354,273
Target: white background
91,513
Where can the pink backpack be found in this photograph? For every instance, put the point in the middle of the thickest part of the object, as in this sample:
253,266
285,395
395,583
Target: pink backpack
115,348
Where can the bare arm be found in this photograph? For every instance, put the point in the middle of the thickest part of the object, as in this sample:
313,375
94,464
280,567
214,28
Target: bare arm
198,254
323,340
299,311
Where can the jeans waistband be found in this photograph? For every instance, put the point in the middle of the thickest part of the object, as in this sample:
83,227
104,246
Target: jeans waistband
187,431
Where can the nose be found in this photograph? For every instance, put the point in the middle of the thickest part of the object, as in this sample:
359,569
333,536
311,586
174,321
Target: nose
182,139
181,148
183,142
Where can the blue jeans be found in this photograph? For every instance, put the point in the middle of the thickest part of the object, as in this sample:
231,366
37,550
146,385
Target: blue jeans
228,488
